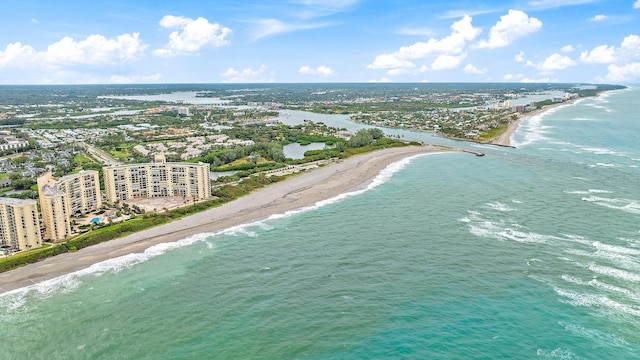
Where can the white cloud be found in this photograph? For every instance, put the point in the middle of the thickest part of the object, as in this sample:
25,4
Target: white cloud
567,48
624,73
35,21
17,55
172,22
94,50
446,62
191,36
390,61
555,62
445,52
325,70
382,80
306,70
602,54
139,79
271,27
636,5
247,75
552,63
509,77
515,24
320,70
519,56
631,46
470,69
599,17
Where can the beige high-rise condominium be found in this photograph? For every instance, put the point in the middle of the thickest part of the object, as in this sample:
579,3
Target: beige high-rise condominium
19,224
157,179
62,198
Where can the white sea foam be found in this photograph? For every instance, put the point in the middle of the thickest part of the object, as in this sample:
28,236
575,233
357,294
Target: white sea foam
605,165
630,295
532,130
626,205
500,231
575,239
498,206
577,192
614,273
533,261
580,178
601,151
592,334
71,281
596,301
558,353
615,249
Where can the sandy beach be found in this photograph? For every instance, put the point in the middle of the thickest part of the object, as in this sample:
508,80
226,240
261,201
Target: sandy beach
505,138
297,192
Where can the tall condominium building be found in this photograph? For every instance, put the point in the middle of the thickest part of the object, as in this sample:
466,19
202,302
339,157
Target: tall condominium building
62,198
19,224
157,179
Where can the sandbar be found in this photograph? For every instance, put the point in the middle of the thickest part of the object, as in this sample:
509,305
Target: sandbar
294,193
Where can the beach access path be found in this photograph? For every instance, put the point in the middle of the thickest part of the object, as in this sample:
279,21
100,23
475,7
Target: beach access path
294,193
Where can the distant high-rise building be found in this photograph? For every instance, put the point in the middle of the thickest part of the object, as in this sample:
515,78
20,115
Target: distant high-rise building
19,224
157,179
62,198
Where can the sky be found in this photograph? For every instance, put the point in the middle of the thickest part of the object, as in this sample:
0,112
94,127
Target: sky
319,41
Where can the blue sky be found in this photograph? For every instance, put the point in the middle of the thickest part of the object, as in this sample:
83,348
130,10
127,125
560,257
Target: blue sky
189,41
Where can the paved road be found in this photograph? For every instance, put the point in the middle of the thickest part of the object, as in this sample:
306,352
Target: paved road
102,156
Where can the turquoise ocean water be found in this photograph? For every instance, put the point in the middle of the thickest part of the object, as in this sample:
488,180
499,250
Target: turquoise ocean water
526,253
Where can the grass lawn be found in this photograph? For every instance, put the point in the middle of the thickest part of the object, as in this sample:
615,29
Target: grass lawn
81,159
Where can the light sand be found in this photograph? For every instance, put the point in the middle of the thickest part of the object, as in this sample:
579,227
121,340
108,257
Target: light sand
504,139
297,192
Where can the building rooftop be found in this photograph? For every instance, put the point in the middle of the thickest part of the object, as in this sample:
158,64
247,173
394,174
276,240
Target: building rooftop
49,190
12,201
72,176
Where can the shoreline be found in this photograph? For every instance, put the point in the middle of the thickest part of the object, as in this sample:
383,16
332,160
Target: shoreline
294,193
504,139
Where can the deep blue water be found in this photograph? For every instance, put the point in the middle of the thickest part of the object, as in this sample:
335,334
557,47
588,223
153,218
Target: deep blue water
525,253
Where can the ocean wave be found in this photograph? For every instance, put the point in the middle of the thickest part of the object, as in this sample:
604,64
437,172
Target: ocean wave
587,192
627,205
500,231
498,206
16,298
615,249
612,289
604,165
598,301
69,282
532,130
614,273
558,353
602,151
591,334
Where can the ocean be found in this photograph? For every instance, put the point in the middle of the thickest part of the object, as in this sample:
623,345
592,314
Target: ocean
525,253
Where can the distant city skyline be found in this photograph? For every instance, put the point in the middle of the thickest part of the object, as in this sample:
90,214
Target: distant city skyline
300,41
